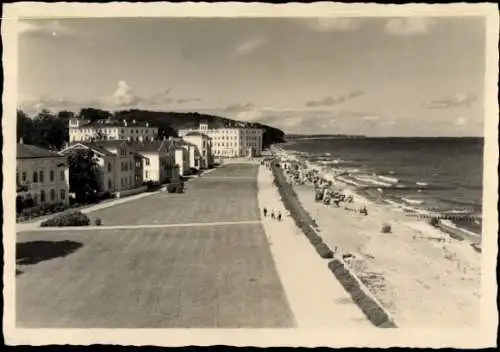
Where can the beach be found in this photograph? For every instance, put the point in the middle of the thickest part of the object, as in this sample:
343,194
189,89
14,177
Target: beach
421,275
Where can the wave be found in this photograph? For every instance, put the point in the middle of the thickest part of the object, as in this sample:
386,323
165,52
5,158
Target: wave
413,201
388,179
421,183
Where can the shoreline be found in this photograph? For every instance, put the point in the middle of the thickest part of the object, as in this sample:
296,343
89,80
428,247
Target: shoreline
458,224
425,277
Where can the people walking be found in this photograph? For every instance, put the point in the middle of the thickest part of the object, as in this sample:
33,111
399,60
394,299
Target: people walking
272,214
265,212
279,216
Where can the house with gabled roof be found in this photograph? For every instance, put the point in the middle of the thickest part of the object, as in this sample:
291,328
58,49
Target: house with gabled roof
120,166
159,161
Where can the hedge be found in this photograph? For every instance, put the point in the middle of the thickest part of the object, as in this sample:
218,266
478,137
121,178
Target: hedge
74,218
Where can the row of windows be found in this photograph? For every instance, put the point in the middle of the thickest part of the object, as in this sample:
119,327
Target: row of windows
125,166
52,196
126,182
39,177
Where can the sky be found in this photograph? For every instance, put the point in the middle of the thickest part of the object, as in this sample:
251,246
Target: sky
370,76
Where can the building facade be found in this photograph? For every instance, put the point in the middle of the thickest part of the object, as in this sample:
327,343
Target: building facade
85,131
231,142
159,161
204,145
119,165
41,175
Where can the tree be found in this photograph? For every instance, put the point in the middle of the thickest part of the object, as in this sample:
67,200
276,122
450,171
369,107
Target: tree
83,175
94,114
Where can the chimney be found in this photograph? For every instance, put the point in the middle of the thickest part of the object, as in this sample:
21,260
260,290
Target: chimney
21,140
133,121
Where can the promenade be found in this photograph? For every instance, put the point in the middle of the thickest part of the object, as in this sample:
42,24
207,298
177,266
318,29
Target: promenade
202,259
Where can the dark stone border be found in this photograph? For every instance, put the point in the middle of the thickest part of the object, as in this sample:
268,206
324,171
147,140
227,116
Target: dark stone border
372,309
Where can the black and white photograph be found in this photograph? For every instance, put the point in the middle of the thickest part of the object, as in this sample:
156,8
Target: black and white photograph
260,169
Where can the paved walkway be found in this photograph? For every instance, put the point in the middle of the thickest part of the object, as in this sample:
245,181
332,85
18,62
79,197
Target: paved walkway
315,296
35,225
138,227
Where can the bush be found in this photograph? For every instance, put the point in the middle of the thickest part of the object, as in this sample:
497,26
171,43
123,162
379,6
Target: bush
434,221
171,188
98,222
386,228
75,218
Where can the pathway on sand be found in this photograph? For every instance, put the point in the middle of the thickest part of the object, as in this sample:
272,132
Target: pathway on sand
315,296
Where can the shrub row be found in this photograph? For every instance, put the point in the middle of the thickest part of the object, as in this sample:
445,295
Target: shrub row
74,218
41,210
299,215
372,309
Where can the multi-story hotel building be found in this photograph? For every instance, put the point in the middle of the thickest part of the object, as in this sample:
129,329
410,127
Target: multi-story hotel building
231,141
84,130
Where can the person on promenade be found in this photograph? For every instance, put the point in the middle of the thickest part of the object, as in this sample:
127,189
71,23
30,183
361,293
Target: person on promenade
265,212
272,214
279,216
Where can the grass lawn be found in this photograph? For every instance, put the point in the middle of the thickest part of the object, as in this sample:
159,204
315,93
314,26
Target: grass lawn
187,277
205,200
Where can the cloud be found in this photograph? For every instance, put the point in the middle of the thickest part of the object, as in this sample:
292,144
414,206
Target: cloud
461,99
409,26
187,100
330,24
239,107
248,46
330,101
161,98
123,96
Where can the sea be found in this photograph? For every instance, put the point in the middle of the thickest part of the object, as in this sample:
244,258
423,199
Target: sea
439,175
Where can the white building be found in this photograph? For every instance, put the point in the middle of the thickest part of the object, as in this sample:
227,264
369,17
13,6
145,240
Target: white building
159,161
204,145
42,175
120,168
232,141
85,130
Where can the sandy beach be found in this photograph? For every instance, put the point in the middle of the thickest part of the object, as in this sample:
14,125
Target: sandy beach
421,275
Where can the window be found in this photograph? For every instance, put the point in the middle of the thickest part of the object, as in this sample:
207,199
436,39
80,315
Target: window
147,161
130,165
126,166
109,166
42,196
35,177
52,195
109,184
147,174
63,194
130,181
121,166
41,176
62,175
51,176
24,176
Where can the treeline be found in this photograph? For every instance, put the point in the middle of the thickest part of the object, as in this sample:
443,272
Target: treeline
50,130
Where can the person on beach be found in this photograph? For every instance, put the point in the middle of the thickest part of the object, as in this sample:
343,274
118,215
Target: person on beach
265,212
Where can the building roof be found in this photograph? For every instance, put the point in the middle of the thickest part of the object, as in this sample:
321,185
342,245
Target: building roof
196,133
29,151
117,123
96,147
152,146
